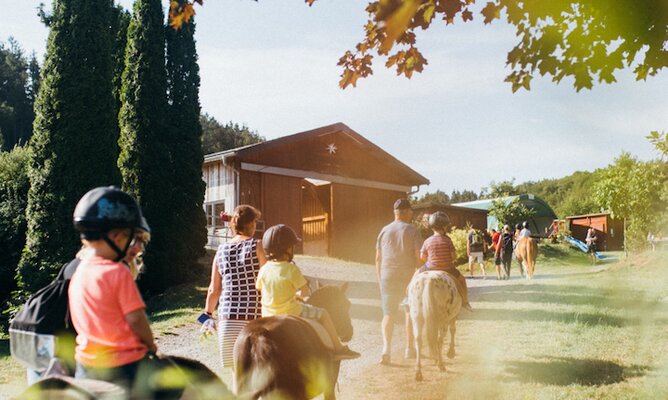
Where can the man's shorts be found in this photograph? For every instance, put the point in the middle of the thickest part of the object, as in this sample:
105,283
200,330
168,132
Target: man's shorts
477,255
391,293
311,312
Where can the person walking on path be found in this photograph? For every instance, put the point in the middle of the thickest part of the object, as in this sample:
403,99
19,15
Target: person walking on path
232,287
397,256
505,250
438,253
590,241
113,333
496,244
283,286
475,247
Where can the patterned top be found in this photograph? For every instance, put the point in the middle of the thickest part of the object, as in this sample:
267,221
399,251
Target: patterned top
439,251
238,266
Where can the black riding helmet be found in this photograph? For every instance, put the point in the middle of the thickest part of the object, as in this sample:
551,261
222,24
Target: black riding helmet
105,208
278,239
439,220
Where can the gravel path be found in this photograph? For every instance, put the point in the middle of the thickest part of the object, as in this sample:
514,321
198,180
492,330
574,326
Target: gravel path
366,312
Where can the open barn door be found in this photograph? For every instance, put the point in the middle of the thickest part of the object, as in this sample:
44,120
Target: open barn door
316,217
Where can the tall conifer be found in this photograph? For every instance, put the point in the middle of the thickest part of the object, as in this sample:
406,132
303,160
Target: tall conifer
73,144
144,160
186,148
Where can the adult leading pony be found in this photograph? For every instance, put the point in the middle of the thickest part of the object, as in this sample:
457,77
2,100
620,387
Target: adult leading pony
282,357
434,303
526,253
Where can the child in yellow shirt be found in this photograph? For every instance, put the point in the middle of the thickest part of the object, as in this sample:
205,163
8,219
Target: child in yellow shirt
282,284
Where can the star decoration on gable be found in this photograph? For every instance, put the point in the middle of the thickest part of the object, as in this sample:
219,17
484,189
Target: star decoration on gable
331,149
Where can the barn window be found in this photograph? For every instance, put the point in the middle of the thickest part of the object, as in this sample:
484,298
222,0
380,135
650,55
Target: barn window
213,212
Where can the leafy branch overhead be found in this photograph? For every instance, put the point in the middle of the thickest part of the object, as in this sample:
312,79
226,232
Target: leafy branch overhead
587,40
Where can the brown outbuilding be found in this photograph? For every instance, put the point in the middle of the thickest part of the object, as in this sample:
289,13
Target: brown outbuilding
333,186
610,231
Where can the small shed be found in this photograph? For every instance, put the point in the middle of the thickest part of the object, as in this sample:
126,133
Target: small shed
460,217
330,184
610,231
539,224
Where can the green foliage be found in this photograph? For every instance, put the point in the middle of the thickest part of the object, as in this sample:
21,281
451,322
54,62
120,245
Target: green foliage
458,237
17,85
14,185
217,137
461,197
120,20
660,141
500,189
146,140
632,190
184,120
73,143
510,213
436,198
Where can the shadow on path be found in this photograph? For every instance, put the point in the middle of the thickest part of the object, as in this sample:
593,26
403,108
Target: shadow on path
564,371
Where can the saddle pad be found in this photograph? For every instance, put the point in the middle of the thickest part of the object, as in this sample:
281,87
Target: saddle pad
321,332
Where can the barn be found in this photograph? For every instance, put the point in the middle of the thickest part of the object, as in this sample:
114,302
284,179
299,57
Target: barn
460,217
610,231
538,224
330,184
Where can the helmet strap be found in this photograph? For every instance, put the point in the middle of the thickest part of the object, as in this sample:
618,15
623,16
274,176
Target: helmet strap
120,253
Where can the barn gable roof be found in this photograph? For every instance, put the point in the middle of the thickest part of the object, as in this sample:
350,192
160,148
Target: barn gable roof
324,153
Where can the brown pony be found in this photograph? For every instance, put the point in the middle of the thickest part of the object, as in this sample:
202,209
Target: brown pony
282,357
526,252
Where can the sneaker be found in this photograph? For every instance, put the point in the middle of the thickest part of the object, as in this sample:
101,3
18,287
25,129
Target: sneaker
409,353
385,359
346,354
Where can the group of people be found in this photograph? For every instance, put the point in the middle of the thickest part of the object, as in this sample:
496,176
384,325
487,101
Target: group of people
250,278
401,253
503,244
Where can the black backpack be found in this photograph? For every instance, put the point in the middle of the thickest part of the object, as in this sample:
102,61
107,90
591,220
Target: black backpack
506,244
43,323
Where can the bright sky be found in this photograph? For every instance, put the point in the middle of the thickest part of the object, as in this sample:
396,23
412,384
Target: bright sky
272,66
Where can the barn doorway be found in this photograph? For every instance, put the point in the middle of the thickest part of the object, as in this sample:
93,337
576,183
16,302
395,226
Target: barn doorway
316,217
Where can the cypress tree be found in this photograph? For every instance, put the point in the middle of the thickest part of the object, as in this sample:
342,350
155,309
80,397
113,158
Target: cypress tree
73,143
120,20
186,148
144,160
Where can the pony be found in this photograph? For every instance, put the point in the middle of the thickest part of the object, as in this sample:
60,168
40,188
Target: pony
172,377
434,304
283,357
526,253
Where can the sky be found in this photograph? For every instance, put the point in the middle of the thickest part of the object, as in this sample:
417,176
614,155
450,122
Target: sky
271,65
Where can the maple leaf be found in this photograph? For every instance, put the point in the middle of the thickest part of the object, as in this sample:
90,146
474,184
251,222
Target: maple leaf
397,23
467,15
491,12
310,2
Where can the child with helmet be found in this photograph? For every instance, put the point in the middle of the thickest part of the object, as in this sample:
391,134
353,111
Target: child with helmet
107,310
438,253
281,283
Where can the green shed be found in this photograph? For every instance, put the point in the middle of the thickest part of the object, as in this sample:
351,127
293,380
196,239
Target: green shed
538,224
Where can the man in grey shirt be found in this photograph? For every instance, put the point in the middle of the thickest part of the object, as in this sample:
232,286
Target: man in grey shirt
397,256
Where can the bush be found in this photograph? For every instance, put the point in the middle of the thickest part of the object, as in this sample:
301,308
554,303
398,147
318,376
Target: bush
458,237
14,186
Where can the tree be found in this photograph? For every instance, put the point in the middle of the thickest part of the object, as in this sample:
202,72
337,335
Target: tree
583,39
120,20
436,198
510,213
73,143
461,197
16,86
186,147
501,189
144,160
631,190
14,186
217,137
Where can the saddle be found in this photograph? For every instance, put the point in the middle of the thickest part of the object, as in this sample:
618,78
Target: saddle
321,332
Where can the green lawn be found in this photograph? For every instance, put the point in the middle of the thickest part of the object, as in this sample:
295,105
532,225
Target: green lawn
575,332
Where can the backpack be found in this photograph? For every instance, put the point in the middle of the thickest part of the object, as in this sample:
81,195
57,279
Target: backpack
506,244
476,238
42,319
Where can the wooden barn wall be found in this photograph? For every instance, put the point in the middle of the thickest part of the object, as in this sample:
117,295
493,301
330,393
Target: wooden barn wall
220,184
350,159
358,215
282,201
610,232
250,189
